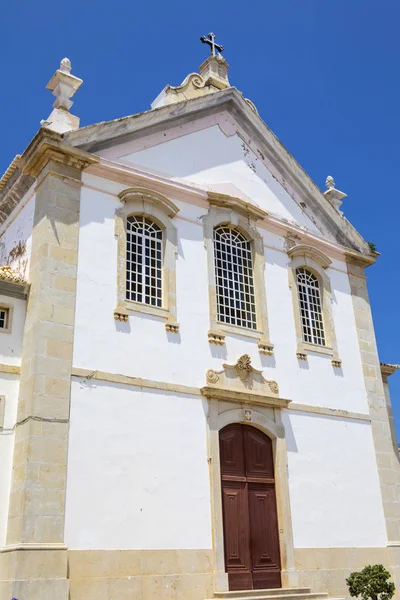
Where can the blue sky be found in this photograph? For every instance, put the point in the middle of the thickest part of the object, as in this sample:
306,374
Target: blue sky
323,74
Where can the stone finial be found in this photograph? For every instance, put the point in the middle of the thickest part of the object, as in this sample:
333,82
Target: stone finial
65,65
334,196
330,183
214,72
213,76
63,85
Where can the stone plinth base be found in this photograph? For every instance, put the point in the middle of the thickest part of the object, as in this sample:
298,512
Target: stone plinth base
326,569
152,574
35,589
168,574
34,574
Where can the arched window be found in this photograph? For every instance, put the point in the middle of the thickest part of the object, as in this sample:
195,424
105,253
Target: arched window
146,253
234,278
144,240
310,302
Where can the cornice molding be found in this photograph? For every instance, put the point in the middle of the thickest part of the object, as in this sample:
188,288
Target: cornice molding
198,196
313,202
13,192
388,369
310,251
139,177
47,145
12,284
237,204
35,547
358,259
151,196
9,171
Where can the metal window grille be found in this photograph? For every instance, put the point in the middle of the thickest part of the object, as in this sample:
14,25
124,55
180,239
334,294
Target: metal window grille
310,307
234,278
144,240
3,318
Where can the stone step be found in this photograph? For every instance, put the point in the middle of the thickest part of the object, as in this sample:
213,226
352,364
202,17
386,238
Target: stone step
270,595
270,592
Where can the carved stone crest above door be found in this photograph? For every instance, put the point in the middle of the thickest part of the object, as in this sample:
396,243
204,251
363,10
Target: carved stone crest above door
242,383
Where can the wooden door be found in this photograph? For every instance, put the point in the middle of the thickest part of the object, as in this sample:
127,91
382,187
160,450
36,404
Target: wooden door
251,540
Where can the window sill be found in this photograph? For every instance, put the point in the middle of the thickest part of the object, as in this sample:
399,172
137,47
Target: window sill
121,313
147,309
316,348
236,330
217,336
305,347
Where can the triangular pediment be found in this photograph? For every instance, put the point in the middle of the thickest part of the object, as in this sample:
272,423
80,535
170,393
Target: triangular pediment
220,143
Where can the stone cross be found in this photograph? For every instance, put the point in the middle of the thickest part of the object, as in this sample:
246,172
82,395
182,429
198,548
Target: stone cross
210,40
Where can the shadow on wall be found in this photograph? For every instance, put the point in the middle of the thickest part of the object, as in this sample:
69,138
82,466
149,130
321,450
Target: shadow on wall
291,445
268,362
125,327
218,351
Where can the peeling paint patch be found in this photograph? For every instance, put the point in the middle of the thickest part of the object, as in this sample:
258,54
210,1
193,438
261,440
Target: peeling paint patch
246,150
17,252
290,240
260,154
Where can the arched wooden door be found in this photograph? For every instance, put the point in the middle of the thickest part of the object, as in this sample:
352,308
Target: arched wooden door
251,537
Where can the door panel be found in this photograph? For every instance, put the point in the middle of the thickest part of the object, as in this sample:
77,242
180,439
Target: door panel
265,547
237,543
252,554
231,451
258,453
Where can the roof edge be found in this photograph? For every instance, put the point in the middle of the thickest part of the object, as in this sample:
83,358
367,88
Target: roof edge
94,137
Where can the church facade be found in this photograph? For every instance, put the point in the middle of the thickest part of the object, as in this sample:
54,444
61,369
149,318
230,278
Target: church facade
191,397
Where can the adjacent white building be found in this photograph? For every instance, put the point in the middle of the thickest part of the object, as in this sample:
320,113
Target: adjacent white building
191,397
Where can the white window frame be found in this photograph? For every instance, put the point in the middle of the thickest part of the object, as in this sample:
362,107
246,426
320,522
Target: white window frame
311,314
243,216
157,208
243,283
9,310
150,246
313,260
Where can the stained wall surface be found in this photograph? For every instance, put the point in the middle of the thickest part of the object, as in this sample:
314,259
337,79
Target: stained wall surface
16,236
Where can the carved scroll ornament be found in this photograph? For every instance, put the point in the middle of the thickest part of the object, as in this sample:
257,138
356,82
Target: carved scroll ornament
240,378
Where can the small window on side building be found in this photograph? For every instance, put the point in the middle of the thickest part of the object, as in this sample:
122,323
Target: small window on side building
4,318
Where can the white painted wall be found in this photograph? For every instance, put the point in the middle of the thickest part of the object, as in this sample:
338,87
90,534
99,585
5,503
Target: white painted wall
9,386
11,343
334,490
137,470
314,381
210,157
142,348
128,447
16,236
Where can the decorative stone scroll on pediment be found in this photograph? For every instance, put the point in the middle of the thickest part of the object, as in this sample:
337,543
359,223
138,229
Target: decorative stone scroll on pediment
213,76
242,383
